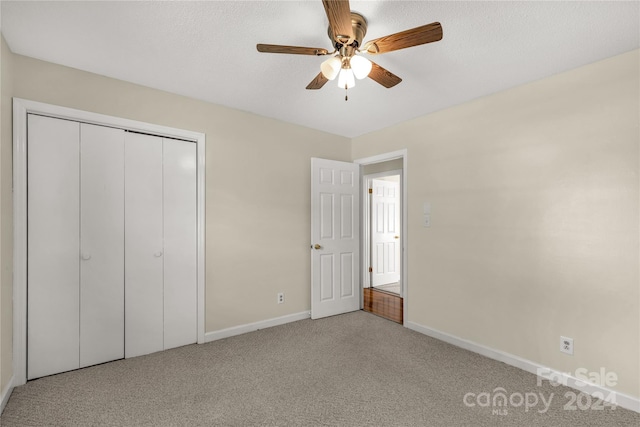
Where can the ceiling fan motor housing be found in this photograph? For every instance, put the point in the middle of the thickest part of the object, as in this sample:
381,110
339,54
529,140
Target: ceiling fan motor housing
359,26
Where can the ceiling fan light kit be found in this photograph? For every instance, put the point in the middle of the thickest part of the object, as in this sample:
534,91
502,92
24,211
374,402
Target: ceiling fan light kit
346,78
346,32
357,65
331,67
361,66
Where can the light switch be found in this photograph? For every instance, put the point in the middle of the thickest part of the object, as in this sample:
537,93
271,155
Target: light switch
426,214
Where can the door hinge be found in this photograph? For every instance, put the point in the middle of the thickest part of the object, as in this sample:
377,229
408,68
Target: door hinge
370,269
371,191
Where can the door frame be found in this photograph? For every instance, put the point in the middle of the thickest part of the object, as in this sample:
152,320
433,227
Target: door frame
366,226
404,253
22,107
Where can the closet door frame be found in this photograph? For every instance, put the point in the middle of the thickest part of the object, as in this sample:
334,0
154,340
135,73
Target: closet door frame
23,107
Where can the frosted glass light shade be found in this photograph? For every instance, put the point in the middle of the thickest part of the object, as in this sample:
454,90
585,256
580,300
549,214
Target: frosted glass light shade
331,67
346,78
361,66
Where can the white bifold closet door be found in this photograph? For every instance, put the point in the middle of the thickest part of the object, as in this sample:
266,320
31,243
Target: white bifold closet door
53,293
75,245
180,243
143,245
160,244
111,244
101,244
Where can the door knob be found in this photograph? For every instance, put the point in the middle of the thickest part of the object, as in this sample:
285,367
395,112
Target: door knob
317,246
85,257
157,254
396,237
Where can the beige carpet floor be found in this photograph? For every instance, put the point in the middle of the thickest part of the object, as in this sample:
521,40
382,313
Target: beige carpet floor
350,370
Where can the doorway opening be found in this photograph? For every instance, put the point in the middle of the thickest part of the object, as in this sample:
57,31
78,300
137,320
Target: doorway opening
383,229
384,235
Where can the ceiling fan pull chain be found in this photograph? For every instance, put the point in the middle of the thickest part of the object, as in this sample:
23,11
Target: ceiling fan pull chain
346,94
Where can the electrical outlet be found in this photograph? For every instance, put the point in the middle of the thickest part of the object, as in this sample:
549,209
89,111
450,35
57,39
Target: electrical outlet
280,297
566,345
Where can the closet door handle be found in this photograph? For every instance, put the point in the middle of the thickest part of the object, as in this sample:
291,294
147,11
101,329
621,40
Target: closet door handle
85,257
157,254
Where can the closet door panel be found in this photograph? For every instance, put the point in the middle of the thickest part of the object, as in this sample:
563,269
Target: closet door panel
180,286
101,244
143,245
53,235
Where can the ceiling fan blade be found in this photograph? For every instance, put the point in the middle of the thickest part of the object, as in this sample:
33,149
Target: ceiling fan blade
382,76
296,50
339,15
408,38
317,82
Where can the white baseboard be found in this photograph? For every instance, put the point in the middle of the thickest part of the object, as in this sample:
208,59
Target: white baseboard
6,393
250,327
623,400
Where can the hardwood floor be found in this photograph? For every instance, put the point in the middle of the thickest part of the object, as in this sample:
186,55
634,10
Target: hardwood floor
383,304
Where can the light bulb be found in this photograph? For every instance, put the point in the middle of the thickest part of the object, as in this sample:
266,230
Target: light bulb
346,78
331,67
361,66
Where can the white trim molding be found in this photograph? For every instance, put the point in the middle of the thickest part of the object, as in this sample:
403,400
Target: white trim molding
21,108
6,394
404,274
251,327
620,399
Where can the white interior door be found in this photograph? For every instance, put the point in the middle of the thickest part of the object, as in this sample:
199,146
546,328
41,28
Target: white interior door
385,232
335,240
180,281
53,256
143,245
101,244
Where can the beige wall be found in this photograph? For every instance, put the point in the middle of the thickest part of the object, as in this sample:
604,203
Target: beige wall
6,217
535,218
257,186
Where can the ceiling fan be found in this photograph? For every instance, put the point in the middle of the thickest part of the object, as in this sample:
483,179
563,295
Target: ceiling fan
346,31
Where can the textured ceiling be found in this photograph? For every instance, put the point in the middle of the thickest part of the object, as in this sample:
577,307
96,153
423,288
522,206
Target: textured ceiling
206,50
